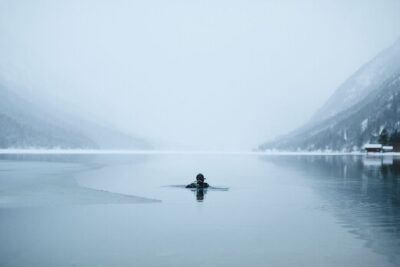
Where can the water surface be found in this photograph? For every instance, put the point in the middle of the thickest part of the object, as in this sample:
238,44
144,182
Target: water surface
132,211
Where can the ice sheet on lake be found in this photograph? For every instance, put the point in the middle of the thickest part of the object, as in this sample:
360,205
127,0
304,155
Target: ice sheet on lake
35,184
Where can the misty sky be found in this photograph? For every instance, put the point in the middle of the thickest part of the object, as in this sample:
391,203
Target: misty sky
221,75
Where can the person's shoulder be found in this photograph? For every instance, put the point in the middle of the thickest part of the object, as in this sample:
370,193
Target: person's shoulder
192,185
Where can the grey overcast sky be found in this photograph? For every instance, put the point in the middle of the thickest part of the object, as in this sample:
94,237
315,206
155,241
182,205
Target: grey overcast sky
220,75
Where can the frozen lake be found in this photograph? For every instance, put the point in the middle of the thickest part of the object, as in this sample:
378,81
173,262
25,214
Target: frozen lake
110,210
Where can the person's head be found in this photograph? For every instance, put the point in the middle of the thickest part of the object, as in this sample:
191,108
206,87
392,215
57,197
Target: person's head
200,178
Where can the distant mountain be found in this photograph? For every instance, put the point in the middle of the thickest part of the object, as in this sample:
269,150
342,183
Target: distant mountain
25,124
366,108
368,78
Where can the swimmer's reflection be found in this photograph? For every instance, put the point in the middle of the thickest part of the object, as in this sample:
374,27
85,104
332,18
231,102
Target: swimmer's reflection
200,192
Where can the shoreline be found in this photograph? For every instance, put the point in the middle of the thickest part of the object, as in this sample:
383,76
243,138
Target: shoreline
183,152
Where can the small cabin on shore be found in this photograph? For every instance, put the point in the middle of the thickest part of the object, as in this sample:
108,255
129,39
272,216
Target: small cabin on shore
373,148
377,148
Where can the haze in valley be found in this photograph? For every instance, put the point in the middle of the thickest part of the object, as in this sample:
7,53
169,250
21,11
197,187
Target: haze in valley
202,75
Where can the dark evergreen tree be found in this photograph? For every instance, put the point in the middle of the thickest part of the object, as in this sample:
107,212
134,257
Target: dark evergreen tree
394,140
384,137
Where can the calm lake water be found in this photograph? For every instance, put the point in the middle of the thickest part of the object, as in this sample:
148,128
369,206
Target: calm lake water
130,210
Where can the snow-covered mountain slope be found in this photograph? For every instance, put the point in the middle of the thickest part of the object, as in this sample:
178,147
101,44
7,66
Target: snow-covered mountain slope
25,124
365,105
367,79
354,127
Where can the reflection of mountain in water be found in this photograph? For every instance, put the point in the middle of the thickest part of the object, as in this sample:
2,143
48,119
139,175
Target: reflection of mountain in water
363,192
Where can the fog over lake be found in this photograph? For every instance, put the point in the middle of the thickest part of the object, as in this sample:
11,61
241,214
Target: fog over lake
200,133
208,75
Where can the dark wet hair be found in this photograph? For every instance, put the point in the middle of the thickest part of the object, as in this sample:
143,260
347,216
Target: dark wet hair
200,177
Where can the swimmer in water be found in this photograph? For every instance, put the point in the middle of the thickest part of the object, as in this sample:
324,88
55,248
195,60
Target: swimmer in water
199,182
